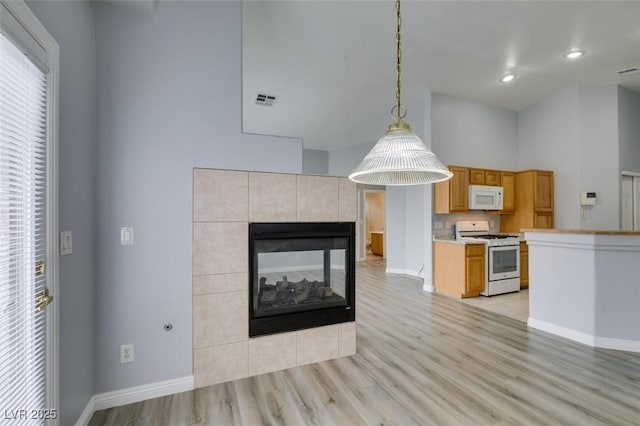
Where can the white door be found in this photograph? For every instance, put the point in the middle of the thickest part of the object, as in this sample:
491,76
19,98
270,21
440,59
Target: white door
27,257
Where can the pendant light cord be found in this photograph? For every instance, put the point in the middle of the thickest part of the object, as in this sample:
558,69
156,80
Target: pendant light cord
398,59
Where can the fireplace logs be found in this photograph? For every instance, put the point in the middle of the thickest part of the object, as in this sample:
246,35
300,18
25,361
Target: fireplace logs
287,292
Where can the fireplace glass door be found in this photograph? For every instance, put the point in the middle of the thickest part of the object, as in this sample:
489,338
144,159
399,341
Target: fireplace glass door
292,278
305,269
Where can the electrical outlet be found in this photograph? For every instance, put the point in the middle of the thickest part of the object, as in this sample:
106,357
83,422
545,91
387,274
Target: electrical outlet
126,353
437,225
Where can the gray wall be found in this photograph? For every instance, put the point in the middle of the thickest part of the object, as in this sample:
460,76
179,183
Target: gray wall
72,25
575,134
467,133
343,161
548,138
599,158
629,129
315,162
169,100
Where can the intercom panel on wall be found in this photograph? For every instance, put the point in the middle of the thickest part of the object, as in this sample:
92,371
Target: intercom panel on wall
588,199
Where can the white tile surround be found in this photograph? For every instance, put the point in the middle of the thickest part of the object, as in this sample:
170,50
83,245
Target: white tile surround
224,202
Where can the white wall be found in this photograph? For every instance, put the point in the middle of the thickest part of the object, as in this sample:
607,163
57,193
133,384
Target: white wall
599,158
169,100
548,139
72,25
629,129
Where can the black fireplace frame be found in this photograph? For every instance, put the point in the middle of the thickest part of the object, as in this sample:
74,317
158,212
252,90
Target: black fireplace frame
320,316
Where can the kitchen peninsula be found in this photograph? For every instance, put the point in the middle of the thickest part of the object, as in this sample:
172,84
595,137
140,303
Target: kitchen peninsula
585,286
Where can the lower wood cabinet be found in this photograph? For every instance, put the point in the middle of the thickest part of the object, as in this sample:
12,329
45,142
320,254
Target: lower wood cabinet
377,243
458,269
474,273
524,265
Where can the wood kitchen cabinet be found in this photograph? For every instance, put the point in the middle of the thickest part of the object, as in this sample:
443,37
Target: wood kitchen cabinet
484,177
476,176
533,202
524,264
377,243
508,182
474,273
458,269
492,178
452,195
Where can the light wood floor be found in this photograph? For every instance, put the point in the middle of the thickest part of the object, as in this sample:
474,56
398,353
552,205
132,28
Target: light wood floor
422,359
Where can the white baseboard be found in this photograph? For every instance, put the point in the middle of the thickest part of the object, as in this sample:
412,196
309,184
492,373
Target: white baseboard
567,333
618,344
403,271
134,394
429,288
88,411
584,338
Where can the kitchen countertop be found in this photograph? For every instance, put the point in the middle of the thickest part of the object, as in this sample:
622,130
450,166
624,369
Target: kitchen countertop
582,231
452,240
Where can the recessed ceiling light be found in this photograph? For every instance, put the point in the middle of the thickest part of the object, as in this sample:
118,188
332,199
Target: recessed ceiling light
507,78
574,54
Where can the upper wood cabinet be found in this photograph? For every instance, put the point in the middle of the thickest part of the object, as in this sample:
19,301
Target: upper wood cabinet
543,190
476,176
508,182
484,177
533,202
452,195
492,178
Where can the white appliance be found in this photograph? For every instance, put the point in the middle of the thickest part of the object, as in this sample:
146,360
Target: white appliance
502,254
482,197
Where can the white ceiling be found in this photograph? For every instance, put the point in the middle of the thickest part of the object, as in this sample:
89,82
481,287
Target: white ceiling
332,63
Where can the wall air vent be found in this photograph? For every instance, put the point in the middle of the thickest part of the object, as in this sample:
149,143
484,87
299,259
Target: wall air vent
265,100
625,71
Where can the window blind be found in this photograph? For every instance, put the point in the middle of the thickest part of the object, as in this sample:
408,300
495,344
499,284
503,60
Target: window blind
23,138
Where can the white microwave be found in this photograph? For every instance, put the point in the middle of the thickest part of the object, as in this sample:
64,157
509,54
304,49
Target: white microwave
483,197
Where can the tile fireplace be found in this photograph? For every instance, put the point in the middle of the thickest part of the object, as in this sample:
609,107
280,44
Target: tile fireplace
225,204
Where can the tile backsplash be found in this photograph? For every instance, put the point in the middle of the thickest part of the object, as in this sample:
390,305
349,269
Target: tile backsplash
444,224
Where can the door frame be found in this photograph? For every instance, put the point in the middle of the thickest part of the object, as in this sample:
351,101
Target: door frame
30,22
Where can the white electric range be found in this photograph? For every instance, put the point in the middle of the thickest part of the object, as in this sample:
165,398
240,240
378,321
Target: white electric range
502,254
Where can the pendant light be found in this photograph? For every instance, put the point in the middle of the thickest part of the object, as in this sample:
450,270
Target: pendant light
399,157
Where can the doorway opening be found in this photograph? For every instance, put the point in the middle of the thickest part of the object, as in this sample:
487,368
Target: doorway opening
630,200
374,224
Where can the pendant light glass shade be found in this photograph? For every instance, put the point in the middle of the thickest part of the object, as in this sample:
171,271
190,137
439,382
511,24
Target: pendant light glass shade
400,158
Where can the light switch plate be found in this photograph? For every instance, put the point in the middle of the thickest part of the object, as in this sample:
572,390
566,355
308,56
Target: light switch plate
66,243
126,236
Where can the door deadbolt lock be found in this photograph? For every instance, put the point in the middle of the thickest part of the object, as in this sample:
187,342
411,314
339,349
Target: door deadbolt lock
40,267
43,300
